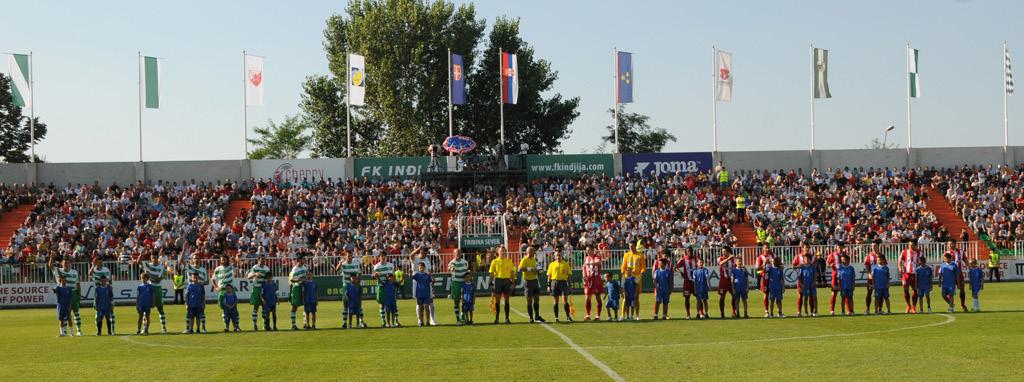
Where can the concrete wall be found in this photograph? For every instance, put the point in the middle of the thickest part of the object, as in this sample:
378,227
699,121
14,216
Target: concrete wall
862,158
14,173
208,171
765,160
958,156
61,174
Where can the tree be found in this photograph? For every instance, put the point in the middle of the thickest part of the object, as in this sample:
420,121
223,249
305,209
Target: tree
406,44
877,144
286,140
635,134
539,122
15,129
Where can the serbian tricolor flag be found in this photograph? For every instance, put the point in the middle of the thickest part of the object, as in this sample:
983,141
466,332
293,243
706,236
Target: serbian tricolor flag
509,79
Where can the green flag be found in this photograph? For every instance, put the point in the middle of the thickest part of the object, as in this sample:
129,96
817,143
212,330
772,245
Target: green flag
151,82
915,85
21,89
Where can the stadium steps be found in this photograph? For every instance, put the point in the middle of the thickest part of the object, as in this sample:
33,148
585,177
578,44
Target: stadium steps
745,235
943,211
234,210
12,220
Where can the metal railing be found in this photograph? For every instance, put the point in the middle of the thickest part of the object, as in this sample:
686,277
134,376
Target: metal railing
611,260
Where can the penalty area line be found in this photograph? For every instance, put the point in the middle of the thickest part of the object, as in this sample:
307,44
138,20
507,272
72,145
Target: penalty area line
579,349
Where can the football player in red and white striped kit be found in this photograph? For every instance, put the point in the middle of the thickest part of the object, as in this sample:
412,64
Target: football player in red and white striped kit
961,262
908,263
686,264
766,257
870,260
593,285
801,260
833,260
726,263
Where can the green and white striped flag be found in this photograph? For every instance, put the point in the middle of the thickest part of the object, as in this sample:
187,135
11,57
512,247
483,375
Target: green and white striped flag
821,74
21,88
915,83
150,82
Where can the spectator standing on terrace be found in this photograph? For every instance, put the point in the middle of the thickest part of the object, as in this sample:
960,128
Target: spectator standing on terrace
637,263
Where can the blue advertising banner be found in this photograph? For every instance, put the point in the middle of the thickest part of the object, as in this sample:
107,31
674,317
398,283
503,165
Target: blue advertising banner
665,164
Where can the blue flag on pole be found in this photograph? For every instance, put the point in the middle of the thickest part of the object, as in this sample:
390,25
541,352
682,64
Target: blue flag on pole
625,77
458,83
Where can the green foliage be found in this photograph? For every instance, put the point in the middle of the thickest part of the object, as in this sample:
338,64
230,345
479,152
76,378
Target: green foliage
286,140
406,45
636,135
15,129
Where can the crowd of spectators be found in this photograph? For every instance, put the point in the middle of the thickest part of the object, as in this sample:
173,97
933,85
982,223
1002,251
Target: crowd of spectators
989,199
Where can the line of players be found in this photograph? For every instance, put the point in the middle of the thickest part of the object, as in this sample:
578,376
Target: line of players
734,279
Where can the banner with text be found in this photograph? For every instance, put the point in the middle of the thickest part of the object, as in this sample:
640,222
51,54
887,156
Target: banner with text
666,164
570,165
392,167
298,170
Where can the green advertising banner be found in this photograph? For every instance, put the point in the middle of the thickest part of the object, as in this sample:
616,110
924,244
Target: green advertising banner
569,165
390,167
477,242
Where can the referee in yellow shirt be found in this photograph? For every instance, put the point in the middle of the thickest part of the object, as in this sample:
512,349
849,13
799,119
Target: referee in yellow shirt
528,268
635,261
558,283
502,270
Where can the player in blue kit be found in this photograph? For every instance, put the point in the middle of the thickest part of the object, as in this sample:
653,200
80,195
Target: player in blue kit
310,300
195,306
103,302
63,292
388,301
847,275
143,303
808,289
776,287
269,302
924,275
662,278
613,290
701,280
468,299
977,278
423,292
629,286
948,274
230,307
740,287
880,279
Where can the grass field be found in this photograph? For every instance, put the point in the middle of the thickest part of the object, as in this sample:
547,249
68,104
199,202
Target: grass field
962,346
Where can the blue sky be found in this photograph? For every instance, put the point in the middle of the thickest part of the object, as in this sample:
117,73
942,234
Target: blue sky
86,73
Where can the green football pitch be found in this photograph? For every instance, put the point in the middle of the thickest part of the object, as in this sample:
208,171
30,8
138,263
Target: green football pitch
938,346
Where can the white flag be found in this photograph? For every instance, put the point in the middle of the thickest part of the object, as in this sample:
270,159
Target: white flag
356,80
723,85
253,80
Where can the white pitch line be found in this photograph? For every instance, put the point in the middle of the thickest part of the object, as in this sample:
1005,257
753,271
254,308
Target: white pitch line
579,349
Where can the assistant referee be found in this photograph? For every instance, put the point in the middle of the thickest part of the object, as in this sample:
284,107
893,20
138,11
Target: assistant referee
502,270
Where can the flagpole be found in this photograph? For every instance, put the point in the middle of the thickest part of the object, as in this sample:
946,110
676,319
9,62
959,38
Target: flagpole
32,99
348,106
139,63
245,112
813,84
615,105
909,119
501,102
1006,122
714,101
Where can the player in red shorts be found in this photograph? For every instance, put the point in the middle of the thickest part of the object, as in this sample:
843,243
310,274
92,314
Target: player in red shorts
726,263
960,260
833,260
799,261
870,260
766,257
593,285
685,266
908,263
